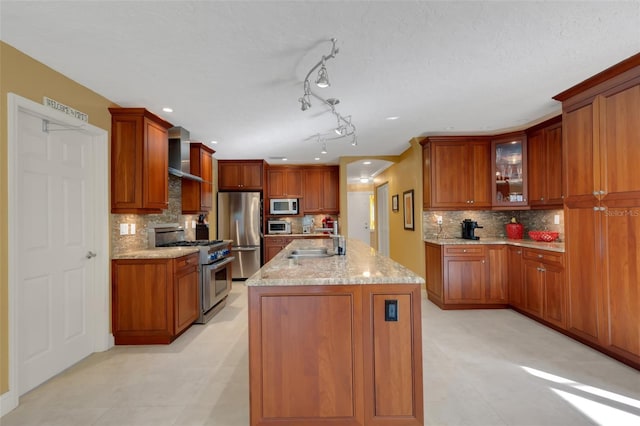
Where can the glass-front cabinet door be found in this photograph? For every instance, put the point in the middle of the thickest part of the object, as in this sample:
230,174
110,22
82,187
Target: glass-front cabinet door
509,164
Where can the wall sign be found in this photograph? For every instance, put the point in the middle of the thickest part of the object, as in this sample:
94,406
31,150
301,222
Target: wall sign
66,109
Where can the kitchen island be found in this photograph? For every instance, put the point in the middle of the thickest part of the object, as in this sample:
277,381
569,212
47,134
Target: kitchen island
335,340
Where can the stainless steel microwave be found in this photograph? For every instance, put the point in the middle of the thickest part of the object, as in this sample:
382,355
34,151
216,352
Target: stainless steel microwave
278,227
283,206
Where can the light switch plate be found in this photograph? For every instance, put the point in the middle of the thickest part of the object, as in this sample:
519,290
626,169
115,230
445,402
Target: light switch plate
193,223
556,219
132,227
124,229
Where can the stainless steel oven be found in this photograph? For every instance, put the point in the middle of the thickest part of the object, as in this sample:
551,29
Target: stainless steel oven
216,285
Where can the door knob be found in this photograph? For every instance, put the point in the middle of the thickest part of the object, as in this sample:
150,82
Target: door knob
90,254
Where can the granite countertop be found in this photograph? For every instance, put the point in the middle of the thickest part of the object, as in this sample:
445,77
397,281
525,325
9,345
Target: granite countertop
157,253
361,265
554,246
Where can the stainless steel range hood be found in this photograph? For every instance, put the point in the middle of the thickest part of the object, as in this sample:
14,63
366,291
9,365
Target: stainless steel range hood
179,154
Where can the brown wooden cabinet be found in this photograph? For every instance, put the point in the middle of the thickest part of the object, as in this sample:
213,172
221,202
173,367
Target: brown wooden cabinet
284,182
602,209
545,164
543,284
139,161
466,276
345,364
514,267
321,190
197,197
509,171
240,175
153,300
456,173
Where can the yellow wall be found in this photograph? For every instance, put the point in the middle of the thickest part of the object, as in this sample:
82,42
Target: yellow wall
406,247
30,79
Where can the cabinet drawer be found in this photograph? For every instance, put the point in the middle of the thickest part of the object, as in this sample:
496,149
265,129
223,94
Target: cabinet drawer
544,256
274,241
185,262
464,250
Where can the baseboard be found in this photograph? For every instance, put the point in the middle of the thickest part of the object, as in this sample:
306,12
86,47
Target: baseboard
8,401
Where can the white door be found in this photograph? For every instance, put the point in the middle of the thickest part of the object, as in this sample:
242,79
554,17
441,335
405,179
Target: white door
359,216
382,207
55,242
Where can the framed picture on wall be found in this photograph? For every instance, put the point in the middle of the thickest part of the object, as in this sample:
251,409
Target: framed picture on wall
408,209
394,203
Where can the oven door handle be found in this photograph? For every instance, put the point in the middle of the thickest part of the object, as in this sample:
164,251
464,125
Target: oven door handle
218,265
244,249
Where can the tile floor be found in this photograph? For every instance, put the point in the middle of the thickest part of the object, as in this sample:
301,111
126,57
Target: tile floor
489,367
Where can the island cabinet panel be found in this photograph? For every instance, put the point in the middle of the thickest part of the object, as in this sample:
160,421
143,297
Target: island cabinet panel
602,209
153,300
324,355
240,175
139,161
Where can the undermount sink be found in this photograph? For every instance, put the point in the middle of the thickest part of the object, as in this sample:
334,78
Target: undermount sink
309,252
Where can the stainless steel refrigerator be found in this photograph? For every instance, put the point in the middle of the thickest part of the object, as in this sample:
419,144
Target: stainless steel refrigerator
239,219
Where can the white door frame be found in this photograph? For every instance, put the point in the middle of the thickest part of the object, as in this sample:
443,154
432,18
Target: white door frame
100,306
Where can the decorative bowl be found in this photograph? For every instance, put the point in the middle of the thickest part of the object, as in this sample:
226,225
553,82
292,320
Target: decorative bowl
546,236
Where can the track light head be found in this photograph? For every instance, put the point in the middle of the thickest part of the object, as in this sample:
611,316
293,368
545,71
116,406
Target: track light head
324,148
304,103
354,142
323,78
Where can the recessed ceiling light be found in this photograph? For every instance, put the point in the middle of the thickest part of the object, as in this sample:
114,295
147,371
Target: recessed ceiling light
284,158
167,109
366,163
364,180
317,158
393,117
214,142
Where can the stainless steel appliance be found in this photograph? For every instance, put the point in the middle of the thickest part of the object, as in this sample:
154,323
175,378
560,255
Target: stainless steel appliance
283,206
278,227
468,228
239,220
215,266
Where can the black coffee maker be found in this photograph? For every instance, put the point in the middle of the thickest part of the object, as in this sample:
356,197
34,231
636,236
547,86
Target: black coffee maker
468,228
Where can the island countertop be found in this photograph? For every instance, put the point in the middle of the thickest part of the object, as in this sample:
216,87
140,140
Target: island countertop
157,253
361,265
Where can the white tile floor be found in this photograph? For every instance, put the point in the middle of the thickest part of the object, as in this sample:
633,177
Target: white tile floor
474,374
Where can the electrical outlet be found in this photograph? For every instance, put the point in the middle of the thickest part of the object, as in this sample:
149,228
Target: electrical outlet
556,219
193,223
124,229
439,220
132,228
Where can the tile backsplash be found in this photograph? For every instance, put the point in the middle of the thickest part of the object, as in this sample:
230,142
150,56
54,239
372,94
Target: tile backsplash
493,222
124,243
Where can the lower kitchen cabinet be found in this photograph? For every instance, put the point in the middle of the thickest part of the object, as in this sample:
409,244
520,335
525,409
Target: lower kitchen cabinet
153,300
466,276
543,284
326,355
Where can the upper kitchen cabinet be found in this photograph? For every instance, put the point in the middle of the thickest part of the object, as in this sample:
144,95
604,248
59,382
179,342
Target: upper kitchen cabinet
601,154
240,175
197,197
139,161
321,190
456,173
509,171
284,182
544,172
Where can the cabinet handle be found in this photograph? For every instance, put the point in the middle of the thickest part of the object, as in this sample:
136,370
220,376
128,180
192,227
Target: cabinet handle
483,261
472,201
519,252
541,198
602,209
596,208
596,193
464,250
540,256
543,270
601,192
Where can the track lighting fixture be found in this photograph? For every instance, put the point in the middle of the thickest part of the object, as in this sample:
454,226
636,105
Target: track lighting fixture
344,127
324,148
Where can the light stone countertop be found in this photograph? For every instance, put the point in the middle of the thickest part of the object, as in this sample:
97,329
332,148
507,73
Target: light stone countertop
361,265
554,246
157,253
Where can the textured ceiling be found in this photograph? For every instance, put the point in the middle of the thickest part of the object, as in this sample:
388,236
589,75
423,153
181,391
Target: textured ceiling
233,70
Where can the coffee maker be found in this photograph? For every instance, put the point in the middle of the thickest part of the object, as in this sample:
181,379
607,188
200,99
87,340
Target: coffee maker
468,228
